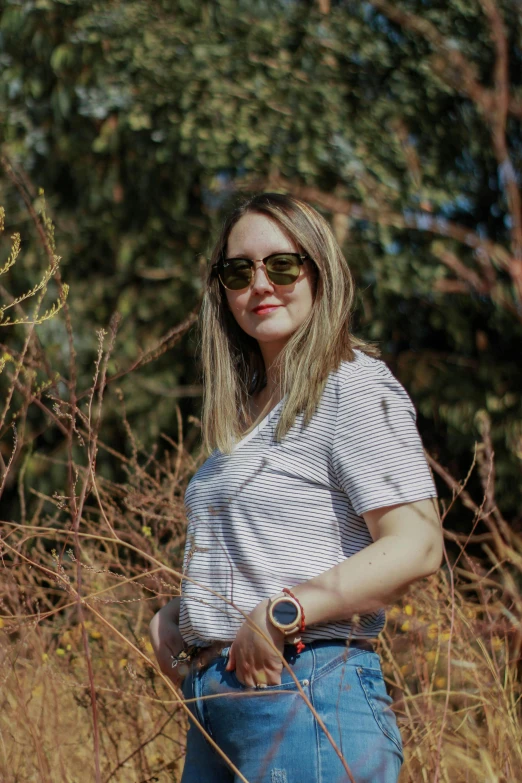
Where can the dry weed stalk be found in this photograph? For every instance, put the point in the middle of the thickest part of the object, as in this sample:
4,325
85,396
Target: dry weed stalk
84,572
451,649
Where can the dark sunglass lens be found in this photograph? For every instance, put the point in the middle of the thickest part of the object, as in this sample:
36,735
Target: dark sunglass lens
283,268
236,273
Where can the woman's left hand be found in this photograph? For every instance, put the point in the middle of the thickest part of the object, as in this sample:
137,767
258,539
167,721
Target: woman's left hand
252,658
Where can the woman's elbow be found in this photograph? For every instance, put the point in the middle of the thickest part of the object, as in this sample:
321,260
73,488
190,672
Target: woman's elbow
434,557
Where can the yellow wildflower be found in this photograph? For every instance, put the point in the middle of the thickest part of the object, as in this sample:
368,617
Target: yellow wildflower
65,637
440,682
408,609
433,631
60,651
405,626
95,635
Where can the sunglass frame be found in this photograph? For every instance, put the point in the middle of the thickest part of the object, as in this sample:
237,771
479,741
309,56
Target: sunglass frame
218,267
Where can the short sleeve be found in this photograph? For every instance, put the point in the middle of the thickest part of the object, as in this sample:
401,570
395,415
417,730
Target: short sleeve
377,454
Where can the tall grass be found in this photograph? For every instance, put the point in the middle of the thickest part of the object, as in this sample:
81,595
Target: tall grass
84,569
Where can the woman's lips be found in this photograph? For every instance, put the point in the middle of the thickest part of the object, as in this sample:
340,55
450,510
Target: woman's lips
262,309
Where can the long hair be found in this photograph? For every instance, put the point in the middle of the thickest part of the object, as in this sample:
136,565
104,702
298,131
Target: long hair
233,367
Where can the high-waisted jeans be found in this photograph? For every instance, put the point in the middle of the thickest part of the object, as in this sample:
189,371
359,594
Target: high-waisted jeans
272,736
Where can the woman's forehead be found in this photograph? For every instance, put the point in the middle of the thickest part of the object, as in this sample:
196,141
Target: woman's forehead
257,235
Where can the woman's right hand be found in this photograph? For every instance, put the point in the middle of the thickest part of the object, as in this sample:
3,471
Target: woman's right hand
167,641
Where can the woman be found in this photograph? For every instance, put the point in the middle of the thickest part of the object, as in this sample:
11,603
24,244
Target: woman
315,509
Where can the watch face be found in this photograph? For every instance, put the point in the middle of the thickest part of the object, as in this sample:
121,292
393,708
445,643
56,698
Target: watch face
285,612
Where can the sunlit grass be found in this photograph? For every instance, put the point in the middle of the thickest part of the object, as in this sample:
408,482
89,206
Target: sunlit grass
450,652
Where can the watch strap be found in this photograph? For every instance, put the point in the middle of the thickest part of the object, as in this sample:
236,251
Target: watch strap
296,599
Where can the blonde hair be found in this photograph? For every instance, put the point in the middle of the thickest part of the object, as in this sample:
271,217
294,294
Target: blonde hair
233,368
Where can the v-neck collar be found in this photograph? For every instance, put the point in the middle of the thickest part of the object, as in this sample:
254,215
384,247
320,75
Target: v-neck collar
257,429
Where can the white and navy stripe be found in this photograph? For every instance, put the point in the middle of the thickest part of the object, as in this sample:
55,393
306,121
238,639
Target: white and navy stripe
271,515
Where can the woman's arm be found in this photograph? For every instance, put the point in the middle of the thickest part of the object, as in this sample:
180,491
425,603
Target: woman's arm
166,638
171,610
408,545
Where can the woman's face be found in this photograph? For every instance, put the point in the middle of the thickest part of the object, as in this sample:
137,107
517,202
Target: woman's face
267,312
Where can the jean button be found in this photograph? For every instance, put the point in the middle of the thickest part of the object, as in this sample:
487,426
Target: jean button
306,682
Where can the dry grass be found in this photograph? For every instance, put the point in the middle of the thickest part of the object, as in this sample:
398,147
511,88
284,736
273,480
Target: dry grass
47,711
83,572
451,649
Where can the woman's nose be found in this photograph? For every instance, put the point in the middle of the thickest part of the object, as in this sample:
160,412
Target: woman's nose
260,281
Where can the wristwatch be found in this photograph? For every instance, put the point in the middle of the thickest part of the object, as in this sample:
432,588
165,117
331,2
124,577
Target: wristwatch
285,614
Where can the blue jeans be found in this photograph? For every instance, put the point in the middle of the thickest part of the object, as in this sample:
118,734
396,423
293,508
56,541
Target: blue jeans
271,734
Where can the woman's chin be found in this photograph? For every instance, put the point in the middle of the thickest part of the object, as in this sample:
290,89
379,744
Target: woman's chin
268,336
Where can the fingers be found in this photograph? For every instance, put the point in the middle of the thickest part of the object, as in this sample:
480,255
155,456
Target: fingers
258,678
231,664
254,671
258,682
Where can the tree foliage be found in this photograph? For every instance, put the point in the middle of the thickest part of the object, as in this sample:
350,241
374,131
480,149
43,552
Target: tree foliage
401,122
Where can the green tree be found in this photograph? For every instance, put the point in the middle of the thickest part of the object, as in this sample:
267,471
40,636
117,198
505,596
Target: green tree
142,120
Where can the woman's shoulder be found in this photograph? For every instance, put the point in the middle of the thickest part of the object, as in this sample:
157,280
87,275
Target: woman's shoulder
361,367
366,377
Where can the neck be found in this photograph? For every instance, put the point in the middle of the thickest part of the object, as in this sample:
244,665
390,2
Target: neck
270,353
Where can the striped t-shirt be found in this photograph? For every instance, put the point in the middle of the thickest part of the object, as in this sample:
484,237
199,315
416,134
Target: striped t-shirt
272,515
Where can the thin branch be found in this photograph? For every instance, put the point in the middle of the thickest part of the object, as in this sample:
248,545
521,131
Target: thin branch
453,66
494,105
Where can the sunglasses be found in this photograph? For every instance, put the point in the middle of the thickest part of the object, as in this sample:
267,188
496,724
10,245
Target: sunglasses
281,269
